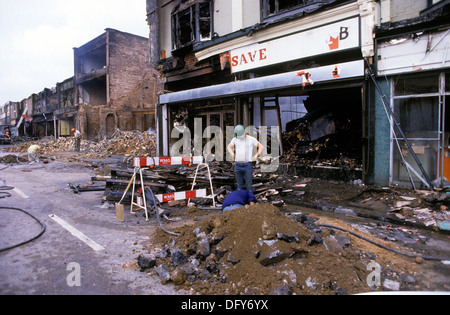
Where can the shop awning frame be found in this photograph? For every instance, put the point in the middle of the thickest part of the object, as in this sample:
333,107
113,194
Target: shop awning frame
295,79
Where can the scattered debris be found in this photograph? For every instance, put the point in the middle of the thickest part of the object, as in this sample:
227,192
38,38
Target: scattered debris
427,208
10,159
259,250
86,187
129,143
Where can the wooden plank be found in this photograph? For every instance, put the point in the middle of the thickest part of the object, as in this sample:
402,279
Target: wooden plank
124,182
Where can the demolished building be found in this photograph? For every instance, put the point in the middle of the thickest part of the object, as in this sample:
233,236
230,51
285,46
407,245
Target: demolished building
114,86
67,109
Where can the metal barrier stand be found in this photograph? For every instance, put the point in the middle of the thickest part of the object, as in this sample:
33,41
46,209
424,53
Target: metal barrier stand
146,163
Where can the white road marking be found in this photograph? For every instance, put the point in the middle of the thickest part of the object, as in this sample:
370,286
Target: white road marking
80,235
21,193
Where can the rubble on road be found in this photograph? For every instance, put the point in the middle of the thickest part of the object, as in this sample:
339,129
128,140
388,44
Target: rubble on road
129,143
420,209
90,186
10,159
342,195
168,179
259,250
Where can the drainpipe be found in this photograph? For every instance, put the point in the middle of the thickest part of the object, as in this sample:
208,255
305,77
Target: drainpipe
54,127
154,38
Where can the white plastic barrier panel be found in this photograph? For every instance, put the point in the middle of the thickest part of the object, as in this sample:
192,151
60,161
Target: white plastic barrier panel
182,195
166,161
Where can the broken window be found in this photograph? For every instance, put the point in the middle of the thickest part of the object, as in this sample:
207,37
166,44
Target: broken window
273,7
276,6
193,24
204,21
184,28
433,2
327,131
420,110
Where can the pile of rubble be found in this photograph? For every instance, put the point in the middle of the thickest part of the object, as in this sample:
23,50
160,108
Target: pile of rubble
167,179
421,208
324,143
396,205
129,143
429,208
259,250
9,159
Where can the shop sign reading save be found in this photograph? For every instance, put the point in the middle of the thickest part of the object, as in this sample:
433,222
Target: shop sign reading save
329,38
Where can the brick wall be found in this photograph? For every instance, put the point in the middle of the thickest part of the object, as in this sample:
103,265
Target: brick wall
128,62
133,88
406,9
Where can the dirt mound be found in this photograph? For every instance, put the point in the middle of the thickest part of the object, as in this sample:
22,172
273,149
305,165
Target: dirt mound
258,250
9,159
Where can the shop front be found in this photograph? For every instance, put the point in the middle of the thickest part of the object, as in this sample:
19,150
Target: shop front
329,99
416,67
66,120
304,90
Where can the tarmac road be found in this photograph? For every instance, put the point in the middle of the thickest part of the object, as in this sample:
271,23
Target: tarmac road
84,248
61,261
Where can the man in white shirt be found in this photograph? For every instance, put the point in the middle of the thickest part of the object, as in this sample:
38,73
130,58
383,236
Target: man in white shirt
77,135
241,150
33,151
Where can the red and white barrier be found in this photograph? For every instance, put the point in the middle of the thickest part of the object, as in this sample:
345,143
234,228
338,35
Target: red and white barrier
166,161
182,195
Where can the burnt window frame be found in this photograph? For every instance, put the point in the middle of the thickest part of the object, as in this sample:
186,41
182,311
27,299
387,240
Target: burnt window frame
194,14
270,8
430,3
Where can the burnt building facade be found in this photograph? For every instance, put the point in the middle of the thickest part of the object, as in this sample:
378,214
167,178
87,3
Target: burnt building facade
112,81
113,87
301,67
44,103
277,67
67,111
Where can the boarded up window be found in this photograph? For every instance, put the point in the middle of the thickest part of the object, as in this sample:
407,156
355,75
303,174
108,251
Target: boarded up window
64,128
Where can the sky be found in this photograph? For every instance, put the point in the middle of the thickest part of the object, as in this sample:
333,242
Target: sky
37,38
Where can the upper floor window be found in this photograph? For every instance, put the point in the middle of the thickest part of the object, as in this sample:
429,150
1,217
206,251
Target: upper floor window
192,25
273,7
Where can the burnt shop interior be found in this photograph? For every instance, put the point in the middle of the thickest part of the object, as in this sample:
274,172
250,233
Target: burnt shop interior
322,125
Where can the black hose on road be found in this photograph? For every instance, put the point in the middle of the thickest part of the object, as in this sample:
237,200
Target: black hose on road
154,204
27,241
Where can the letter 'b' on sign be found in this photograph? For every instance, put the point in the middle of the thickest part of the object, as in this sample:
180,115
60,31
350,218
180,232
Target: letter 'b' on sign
344,34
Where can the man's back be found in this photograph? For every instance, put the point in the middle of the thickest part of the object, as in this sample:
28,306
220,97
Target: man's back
242,197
